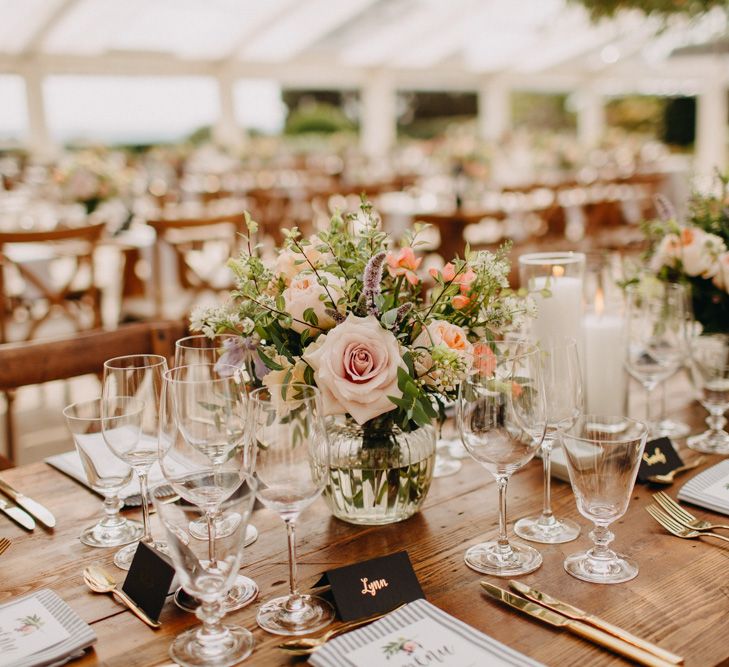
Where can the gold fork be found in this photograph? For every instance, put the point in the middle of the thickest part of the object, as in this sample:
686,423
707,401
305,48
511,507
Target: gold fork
4,544
683,516
676,528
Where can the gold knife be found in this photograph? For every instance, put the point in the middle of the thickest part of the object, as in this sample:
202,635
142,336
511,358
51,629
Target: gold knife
33,507
576,627
578,615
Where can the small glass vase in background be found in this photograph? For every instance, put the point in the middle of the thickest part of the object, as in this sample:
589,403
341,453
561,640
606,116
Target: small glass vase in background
378,474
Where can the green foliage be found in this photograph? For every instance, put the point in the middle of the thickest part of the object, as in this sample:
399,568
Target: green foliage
318,118
600,9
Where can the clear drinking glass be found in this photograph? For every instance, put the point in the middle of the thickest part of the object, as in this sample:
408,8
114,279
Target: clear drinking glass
105,473
138,376
501,417
222,350
656,335
202,432
289,441
603,463
563,388
205,575
710,374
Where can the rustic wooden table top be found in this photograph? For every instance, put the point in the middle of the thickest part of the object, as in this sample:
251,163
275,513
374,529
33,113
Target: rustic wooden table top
679,600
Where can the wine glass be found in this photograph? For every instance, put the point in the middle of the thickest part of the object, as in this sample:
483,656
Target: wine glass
656,334
222,350
501,417
710,374
202,430
138,376
603,456
289,441
206,572
106,473
563,387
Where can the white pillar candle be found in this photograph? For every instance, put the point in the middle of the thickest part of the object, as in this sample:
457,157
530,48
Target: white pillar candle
606,382
559,315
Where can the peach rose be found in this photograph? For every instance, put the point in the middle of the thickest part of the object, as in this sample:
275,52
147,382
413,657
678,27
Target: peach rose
440,332
304,292
355,367
404,263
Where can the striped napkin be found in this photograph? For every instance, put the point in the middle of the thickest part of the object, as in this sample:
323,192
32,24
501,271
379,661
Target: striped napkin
709,489
415,634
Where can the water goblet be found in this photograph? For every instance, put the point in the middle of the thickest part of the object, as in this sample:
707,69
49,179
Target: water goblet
105,473
656,335
138,376
202,433
501,417
289,441
710,375
208,577
603,456
563,387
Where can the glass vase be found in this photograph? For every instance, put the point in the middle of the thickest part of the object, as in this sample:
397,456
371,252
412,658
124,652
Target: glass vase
378,474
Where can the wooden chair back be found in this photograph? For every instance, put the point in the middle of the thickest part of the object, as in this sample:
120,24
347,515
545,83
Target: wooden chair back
37,362
69,298
185,236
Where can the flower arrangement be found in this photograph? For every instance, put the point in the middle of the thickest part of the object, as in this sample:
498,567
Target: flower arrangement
87,179
347,311
695,252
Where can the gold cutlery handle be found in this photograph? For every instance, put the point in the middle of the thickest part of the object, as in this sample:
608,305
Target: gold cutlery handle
616,645
632,639
129,603
708,533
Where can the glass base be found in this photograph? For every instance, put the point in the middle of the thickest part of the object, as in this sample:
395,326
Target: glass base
710,442
124,557
103,536
558,531
613,570
224,526
313,615
237,645
445,465
487,558
242,593
670,428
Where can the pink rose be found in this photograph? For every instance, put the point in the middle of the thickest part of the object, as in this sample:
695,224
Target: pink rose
404,263
305,292
355,367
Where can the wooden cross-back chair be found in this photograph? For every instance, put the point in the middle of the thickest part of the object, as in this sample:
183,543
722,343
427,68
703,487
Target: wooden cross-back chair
76,297
37,362
184,237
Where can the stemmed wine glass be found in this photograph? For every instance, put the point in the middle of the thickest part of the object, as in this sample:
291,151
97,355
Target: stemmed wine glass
603,456
136,376
224,351
657,341
501,416
710,374
563,388
202,428
289,441
106,473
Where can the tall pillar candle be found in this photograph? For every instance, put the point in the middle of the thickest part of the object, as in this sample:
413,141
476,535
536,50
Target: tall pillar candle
559,315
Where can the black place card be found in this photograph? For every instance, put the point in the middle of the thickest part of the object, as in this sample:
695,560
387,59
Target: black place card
659,458
373,586
149,580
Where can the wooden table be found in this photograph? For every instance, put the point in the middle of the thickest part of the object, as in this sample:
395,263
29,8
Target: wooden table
680,599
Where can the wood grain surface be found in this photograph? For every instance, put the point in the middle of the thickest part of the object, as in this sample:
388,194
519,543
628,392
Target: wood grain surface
679,600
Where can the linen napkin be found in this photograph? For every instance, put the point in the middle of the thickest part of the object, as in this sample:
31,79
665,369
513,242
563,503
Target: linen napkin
415,634
709,489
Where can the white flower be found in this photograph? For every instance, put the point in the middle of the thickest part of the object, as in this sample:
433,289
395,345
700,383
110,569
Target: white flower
667,252
306,293
355,367
699,252
290,263
721,279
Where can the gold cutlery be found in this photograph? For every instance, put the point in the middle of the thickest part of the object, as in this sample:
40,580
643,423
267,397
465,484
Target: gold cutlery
100,581
678,529
683,516
669,476
4,544
578,628
307,645
17,514
33,507
578,614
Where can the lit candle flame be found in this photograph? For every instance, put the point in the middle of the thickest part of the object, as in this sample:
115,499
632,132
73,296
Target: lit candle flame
558,271
599,301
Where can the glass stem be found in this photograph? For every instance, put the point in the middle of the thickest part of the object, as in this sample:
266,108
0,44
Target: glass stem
664,399
648,403
112,505
601,536
503,541
144,491
210,519
211,635
294,601
547,518
716,421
